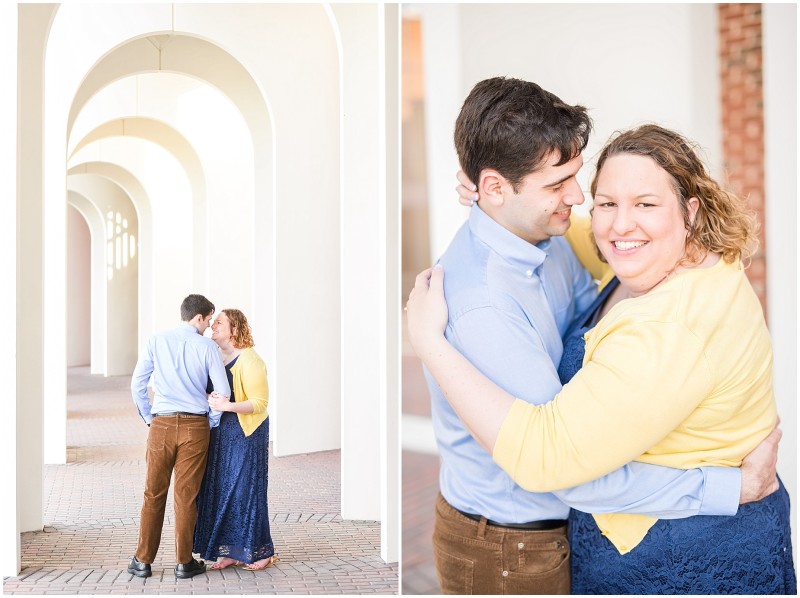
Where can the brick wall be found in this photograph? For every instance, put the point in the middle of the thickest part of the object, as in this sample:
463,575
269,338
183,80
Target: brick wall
743,118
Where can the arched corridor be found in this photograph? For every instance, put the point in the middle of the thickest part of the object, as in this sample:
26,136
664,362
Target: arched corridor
169,149
93,516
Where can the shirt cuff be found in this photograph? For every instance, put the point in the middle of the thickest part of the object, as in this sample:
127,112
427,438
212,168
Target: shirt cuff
723,486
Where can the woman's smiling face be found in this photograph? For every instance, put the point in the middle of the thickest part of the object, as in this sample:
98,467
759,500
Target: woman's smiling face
221,328
637,221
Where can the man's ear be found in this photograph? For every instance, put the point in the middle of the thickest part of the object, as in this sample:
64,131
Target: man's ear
491,187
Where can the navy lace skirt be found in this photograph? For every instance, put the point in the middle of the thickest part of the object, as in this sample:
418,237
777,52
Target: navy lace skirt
747,553
232,515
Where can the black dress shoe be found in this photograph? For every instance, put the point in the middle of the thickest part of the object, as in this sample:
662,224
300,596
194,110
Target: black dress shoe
190,569
138,568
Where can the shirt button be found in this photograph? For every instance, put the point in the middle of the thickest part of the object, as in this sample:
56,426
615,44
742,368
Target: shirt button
528,273
521,545
505,573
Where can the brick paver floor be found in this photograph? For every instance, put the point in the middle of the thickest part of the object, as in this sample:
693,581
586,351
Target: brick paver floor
92,517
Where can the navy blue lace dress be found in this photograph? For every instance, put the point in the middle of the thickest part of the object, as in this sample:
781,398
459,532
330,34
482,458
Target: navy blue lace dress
748,553
232,515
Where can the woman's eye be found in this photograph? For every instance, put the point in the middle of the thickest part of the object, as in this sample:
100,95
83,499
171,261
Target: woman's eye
558,188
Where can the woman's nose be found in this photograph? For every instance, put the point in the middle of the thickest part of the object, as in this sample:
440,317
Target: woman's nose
623,221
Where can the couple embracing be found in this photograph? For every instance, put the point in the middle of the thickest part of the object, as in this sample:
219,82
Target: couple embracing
613,442
209,425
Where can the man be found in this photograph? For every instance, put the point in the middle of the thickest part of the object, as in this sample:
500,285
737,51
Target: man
513,287
181,362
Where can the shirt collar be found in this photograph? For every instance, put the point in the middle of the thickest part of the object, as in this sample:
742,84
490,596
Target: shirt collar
187,327
513,249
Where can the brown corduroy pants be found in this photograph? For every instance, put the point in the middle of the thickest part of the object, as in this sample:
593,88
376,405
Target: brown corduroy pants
179,443
474,557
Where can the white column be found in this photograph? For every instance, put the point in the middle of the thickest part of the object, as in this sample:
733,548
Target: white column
391,361
444,94
34,20
305,96
361,236
780,186
370,267
13,499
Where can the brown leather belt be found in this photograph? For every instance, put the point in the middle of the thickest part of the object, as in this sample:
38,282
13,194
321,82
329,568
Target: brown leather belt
544,524
179,414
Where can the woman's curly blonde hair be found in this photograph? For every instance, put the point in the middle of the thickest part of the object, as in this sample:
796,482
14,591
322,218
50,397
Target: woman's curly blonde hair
242,336
723,223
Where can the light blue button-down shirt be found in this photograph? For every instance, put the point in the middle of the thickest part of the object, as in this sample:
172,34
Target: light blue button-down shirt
181,361
509,304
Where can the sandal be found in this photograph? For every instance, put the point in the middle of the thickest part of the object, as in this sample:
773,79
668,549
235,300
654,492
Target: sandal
269,561
224,565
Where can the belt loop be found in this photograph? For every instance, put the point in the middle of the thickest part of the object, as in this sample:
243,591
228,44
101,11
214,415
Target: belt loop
482,528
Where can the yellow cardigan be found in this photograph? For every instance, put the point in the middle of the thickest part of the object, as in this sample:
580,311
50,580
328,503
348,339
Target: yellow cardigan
250,383
680,377
579,236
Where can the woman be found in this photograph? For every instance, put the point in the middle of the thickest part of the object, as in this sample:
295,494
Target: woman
232,514
676,373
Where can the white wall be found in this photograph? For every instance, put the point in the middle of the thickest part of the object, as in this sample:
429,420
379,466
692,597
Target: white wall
442,41
627,63
79,315
780,150
11,496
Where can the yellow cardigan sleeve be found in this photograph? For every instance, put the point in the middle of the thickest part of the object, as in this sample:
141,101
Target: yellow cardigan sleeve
250,383
579,236
254,385
635,387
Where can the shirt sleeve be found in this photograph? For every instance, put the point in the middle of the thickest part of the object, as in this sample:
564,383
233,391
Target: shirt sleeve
254,383
504,347
216,371
139,379
661,492
641,382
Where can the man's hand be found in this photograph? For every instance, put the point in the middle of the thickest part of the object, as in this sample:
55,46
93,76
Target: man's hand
759,473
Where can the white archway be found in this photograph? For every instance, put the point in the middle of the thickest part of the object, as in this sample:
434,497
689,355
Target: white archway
295,113
115,238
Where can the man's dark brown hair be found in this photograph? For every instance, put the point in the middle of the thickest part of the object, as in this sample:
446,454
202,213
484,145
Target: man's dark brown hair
195,304
513,126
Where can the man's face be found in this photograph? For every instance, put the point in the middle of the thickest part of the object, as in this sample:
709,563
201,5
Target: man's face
205,323
542,207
